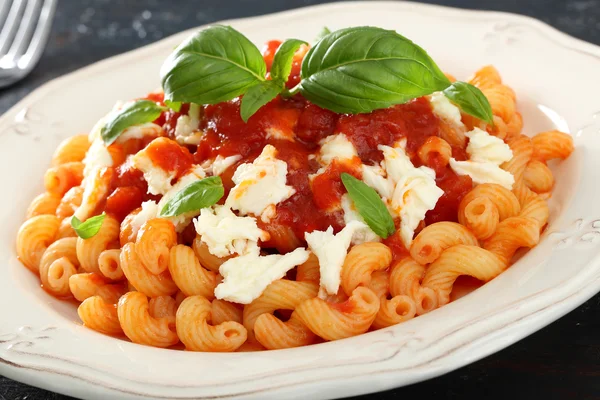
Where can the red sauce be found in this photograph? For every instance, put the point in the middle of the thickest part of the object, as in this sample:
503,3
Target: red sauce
170,156
123,200
455,187
328,188
395,244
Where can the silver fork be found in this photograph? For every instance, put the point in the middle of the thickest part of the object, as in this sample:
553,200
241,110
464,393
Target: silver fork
25,26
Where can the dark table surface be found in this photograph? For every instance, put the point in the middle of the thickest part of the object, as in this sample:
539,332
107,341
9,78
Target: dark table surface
562,361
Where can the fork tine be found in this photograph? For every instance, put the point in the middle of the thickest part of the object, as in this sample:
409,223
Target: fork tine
10,26
40,36
26,28
4,7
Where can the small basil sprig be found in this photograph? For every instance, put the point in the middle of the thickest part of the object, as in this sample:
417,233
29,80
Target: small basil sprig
89,228
136,113
353,70
196,196
369,205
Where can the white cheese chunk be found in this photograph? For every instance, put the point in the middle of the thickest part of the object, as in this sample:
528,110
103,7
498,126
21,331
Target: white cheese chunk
139,132
483,172
279,134
159,180
335,147
374,177
220,164
444,109
260,186
246,277
331,251
486,148
186,128
97,156
182,220
95,190
415,193
362,235
149,211
225,233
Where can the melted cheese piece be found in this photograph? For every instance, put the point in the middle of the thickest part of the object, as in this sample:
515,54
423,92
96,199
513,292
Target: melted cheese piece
97,156
361,235
260,186
415,193
186,129
149,211
220,164
445,110
335,147
481,172
374,177
159,180
148,129
182,220
96,187
331,251
225,233
246,277
486,148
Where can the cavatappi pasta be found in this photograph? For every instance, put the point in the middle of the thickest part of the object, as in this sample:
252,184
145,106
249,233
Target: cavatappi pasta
284,259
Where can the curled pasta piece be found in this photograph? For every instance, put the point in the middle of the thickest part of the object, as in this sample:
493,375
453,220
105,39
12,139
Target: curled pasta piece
538,177
482,217
89,250
486,77
72,149
143,280
60,179
99,312
154,241
394,311
45,203
551,145
338,321
193,327
34,237
453,135
309,270
513,233
109,264
522,150
141,327
281,237
380,283
223,311
405,280
362,260
208,260
69,202
282,294
65,229
188,273
502,101
162,306
437,237
515,125
274,334
435,152
57,265
86,284
460,260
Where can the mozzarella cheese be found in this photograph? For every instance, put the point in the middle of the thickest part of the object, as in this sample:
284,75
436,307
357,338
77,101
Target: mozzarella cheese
260,186
140,132
279,134
97,156
444,109
415,193
225,233
335,147
95,190
246,277
220,164
182,220
331,251
374,177
186,129
159,180
362,235
149,211
482,172
486,148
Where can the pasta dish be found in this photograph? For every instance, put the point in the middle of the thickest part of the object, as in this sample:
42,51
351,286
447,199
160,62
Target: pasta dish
277,199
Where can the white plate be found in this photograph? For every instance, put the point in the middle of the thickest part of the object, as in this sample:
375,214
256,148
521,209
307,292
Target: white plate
41,342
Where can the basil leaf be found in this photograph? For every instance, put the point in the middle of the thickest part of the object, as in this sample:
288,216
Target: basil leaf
89,228
324,32
214,65
173,105
196,196
136,113
257,96
358,70
283,59
369,205
470,100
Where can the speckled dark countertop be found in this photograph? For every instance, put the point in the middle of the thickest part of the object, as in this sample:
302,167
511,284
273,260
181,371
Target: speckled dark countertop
562,361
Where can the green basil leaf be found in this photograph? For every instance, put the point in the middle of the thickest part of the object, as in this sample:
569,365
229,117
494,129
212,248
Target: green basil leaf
257,96
282,61
470,100
369,205
324,32
89,228
214,65
196,196
136,113
358,70
173,105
